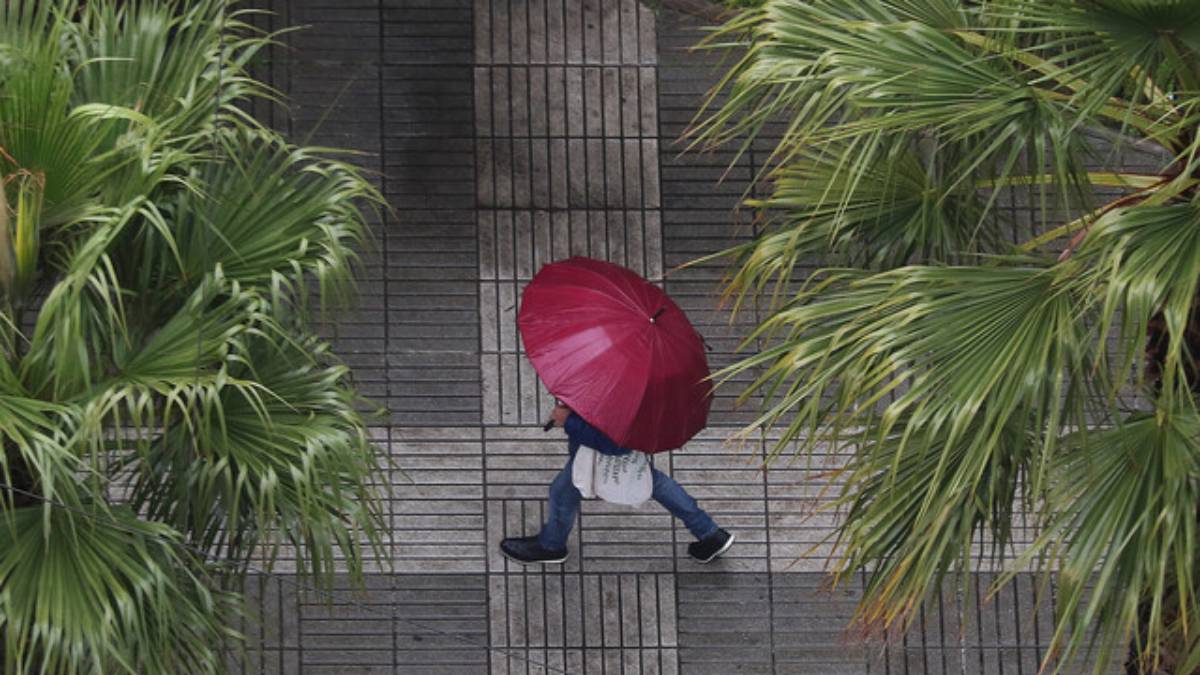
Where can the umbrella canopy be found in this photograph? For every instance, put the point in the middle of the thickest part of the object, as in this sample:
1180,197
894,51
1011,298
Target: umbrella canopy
618,351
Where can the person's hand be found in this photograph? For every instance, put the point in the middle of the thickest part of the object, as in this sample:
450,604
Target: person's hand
560,414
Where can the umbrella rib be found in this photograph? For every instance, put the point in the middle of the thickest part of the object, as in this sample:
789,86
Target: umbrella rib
630,300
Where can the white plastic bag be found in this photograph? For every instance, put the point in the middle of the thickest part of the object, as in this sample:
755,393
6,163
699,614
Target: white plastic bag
620,479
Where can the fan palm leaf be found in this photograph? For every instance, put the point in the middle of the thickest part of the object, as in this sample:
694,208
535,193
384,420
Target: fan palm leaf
115,594
167,415
965,372
310,202
1124,532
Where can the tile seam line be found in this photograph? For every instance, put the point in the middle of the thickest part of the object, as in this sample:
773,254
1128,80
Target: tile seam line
482,412
385,278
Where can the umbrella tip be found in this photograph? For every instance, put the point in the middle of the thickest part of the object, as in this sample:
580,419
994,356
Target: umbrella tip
657,314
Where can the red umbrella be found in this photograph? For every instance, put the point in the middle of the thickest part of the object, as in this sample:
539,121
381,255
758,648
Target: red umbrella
618,351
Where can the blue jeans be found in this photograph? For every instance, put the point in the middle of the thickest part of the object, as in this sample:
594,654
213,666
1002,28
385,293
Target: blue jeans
565,498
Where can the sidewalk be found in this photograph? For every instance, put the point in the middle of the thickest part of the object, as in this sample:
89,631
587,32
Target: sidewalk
508,133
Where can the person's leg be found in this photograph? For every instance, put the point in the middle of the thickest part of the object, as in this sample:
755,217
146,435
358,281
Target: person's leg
561,510
711,540
682,505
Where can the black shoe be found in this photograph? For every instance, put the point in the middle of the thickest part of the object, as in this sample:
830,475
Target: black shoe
528,550
711,547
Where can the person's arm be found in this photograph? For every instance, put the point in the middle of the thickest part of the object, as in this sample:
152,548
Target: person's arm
582,432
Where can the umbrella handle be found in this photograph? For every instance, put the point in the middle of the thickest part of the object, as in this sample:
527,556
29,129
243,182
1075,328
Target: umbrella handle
550,422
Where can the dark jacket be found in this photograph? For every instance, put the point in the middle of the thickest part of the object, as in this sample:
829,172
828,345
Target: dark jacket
580,432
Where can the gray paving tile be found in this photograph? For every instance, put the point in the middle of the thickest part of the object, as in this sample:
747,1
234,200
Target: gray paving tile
714,636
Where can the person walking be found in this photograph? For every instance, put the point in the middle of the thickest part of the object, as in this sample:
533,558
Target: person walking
550,545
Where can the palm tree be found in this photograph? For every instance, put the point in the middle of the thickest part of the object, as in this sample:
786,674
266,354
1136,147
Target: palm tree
1005,311
167,413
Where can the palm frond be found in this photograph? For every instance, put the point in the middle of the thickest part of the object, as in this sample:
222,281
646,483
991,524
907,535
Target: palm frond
914,517
1138,263
100,590
905,123
1130,61
273,215
947,383
948,342
161,236
892,215
41,134
840,71
1124,532
38,453
204,333
274,452
181,64
23,23
83,316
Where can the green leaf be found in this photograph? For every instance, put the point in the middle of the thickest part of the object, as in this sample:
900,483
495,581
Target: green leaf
948,384
99,590
161,243
1142,261
893,213
185,69
917,134
271,212
274,452
1124,535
